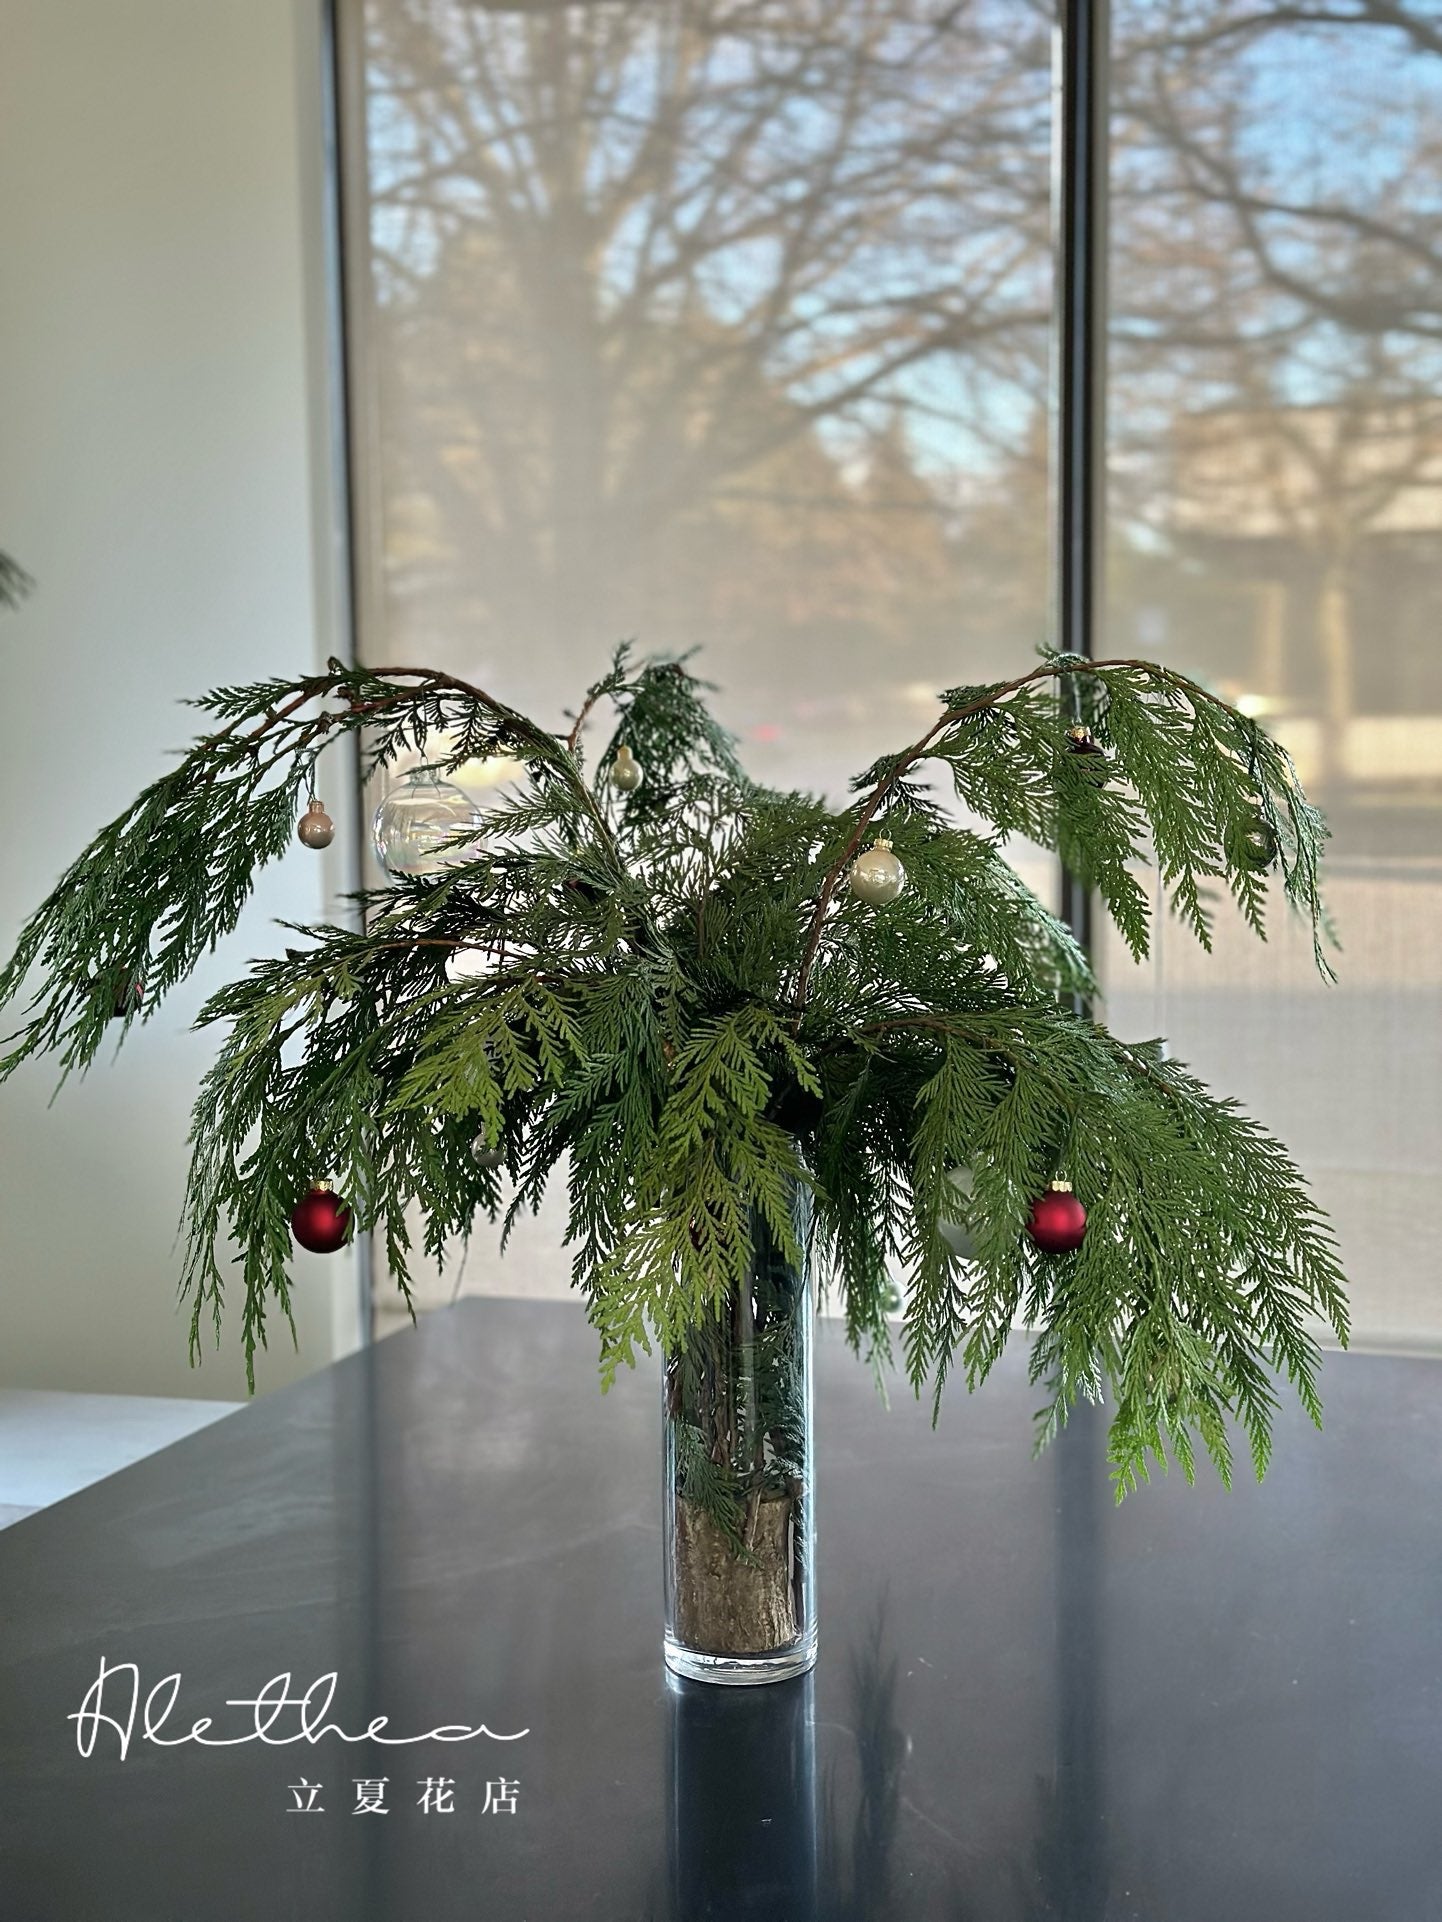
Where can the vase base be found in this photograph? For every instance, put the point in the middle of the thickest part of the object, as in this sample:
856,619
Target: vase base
742,1671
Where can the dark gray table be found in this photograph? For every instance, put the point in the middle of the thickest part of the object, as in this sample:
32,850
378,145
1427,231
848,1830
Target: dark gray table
1199,1708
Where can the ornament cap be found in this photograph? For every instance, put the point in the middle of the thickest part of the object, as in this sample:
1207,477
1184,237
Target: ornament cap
1060,1187
321,1188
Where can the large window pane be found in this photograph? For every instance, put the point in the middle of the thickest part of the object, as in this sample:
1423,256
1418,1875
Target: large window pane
1276,522
719,325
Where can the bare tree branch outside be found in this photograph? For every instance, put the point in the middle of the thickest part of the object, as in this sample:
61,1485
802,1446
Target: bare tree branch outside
722,325
730,324
1276,524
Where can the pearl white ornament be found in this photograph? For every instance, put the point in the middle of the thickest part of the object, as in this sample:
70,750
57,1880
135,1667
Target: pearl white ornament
627,773
877,876
416,827
315,828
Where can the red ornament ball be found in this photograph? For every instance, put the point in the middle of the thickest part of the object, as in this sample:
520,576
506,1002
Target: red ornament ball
320,1221
1058,1220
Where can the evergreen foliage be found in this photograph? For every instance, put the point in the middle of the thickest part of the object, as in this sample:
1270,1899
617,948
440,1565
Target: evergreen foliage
686,1010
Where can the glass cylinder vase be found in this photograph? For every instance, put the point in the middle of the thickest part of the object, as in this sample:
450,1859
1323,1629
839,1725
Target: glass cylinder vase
738,1507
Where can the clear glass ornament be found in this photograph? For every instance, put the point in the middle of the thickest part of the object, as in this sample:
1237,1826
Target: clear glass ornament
424,825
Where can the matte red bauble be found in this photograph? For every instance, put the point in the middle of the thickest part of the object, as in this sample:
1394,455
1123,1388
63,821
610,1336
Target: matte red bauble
320,1221
1058,1220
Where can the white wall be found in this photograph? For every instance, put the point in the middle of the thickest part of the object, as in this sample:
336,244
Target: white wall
164,474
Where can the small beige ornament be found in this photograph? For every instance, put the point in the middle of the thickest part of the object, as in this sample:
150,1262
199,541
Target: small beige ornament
315,827
627,773
877,876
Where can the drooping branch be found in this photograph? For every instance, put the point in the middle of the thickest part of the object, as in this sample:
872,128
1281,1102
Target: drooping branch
895,769
182,859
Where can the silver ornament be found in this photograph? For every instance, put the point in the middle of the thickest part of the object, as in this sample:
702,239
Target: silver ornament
877,876
485,1156
627,773
315,829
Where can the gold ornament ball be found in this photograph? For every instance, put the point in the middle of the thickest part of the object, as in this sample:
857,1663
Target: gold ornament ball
627,773
877,876
315,829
